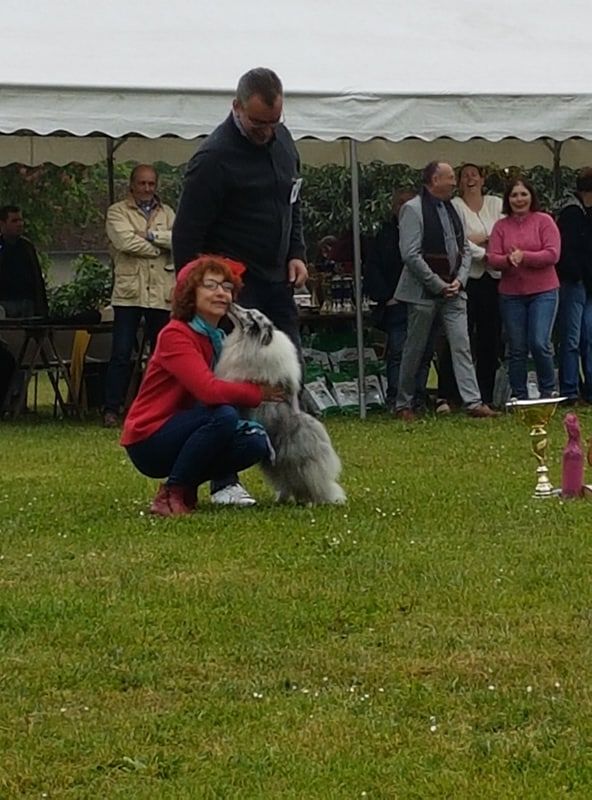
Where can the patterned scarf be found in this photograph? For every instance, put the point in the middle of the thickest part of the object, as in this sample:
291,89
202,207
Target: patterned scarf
215,335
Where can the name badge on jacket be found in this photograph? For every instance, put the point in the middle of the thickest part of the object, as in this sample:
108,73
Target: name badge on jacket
295,190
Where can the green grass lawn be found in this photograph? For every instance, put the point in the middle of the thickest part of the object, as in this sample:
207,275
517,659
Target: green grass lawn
432,639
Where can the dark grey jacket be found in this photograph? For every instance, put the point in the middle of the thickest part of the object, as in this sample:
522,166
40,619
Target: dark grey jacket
418,283
239,200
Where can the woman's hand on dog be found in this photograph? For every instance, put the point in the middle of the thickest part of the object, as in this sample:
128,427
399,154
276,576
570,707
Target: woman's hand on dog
272,394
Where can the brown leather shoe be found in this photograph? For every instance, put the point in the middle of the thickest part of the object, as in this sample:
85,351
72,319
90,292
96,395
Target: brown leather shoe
405,415
482,412
170,501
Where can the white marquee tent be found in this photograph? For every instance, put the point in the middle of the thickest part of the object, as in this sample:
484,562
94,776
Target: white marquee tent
373,73
379,70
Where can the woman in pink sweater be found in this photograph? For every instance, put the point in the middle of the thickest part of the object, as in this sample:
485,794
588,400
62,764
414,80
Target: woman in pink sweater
525,247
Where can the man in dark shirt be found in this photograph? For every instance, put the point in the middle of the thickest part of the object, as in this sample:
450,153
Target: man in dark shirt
241,199
575,291
22,288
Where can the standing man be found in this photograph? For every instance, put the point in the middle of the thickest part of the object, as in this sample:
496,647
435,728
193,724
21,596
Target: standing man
574,269
139,231
437,259
22,288
241,199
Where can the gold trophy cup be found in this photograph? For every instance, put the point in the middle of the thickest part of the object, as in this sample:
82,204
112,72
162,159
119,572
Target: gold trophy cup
536,414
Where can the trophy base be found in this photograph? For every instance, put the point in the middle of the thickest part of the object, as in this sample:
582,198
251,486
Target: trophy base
547,493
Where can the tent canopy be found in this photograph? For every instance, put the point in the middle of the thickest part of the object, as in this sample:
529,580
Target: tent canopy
359,70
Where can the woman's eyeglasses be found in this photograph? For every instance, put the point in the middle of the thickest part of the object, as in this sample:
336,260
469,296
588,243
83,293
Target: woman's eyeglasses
212,285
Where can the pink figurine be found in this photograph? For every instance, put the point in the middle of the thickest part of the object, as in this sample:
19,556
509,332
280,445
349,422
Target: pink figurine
572,478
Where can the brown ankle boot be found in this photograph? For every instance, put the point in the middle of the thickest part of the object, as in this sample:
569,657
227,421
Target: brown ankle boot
160,505
170,501
177,502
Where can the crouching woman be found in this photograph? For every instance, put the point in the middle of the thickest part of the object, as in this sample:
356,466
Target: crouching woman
183,424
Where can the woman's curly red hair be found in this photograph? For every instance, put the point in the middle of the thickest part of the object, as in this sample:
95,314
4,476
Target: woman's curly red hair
189,278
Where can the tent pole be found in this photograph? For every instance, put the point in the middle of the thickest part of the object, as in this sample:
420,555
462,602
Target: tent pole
110,170
355,189
557,169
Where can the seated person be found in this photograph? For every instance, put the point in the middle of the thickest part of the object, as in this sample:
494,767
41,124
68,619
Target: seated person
184,422
22,288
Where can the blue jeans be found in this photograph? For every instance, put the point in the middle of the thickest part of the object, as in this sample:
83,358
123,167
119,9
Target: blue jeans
198,445
528,320
126,322
575,340
395,325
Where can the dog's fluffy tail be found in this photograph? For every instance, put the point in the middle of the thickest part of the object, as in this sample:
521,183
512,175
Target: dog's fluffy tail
306,465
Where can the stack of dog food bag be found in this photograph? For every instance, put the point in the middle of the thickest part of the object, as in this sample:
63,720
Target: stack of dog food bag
331,374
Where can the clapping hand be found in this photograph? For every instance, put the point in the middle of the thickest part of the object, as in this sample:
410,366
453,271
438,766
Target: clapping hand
515,257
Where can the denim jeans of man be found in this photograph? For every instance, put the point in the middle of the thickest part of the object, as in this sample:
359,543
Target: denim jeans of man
126,321
528,321
422,317
395,324
198,445
575,340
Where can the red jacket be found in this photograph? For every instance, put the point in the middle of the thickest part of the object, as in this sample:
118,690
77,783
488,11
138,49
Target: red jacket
177,377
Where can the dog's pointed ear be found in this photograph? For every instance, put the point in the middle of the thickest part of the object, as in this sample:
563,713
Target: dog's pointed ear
266,335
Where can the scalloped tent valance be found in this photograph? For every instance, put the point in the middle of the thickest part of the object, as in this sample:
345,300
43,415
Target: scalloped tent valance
378,69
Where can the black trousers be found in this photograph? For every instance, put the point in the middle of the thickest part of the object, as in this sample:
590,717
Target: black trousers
485,330
7,367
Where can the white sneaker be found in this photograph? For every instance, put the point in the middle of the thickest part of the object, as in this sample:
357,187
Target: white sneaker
442,408
233,495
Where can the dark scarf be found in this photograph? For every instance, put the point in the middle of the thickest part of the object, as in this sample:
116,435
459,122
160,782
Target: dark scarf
433,244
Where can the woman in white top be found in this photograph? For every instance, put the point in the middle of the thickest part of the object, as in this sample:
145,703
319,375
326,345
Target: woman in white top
479,213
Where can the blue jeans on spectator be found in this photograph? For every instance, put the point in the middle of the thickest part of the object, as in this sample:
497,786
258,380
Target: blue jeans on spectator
575,340
528,321
126,322
395,324
198,445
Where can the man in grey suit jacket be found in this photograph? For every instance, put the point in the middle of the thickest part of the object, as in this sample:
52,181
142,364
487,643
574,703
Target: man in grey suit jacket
437,258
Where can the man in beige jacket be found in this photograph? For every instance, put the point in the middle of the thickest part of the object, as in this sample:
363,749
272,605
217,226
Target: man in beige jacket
139,231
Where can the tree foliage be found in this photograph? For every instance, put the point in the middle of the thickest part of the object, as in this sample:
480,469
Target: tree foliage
88,291
75,197
52,197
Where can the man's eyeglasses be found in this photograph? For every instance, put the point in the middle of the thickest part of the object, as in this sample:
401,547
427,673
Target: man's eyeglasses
259,124
212,285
